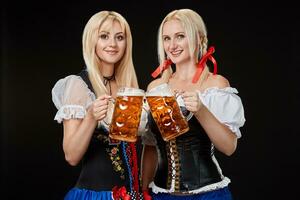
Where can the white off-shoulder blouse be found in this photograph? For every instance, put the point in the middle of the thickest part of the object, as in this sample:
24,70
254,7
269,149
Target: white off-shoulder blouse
223,103
72,97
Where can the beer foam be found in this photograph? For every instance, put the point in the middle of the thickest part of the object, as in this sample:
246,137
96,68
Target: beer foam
126,91
160,90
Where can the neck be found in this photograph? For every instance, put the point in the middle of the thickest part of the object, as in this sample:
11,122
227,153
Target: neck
185,71
107,69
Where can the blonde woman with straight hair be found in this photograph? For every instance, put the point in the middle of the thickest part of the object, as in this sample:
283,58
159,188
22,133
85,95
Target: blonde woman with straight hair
83,103
185,167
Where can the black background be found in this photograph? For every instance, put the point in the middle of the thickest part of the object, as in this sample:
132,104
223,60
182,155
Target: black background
255,49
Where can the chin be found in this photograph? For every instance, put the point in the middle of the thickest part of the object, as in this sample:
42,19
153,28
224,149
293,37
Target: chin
179,60
176,60
112,60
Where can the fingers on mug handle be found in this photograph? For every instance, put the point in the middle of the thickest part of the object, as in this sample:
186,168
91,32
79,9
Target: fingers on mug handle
189,116
112,100
181,102
177,93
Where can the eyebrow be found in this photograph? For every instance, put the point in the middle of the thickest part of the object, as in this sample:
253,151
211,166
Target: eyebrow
109,32
175,33
104,32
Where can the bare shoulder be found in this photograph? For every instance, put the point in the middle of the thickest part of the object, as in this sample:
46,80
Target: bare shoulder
154,83
217,81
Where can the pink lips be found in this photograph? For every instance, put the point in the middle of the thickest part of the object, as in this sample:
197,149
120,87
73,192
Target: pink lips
176,53
111,52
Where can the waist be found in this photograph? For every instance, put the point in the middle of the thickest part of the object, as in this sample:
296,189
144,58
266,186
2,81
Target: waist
100,178
186,170
211,187
98,172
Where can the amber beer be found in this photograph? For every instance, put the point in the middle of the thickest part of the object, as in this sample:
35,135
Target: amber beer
166,112
127,113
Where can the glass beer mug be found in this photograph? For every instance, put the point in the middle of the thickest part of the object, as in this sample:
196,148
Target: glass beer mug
126,115
166,112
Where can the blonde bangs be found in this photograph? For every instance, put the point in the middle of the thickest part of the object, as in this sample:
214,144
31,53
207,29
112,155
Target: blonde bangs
124,70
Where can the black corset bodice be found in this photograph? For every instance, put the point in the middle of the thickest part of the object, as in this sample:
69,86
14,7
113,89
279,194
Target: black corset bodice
97,171
189,156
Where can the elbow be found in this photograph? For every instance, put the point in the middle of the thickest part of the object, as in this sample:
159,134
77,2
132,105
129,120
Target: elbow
71,155
230,150
71,160
231,146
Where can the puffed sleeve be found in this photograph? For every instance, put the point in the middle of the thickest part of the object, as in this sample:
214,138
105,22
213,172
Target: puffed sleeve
71,96
226,106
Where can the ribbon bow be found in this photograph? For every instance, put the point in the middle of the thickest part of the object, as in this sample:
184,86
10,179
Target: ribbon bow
161,68
202,62
120,193
200,65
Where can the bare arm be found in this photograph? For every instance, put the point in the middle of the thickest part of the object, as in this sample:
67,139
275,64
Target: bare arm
78,132
220,135
149,164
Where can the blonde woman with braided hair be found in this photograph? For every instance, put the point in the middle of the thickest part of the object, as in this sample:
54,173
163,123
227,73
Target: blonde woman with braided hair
84,106
185,167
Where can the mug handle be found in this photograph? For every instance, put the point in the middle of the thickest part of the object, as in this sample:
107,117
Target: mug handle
104,121
179,99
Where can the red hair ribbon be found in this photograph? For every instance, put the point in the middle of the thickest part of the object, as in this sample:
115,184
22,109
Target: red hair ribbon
202,62
161,68
120,193
146,195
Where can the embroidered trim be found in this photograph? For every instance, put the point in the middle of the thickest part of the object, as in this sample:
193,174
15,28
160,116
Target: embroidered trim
130,156
130,159
116,160
114,154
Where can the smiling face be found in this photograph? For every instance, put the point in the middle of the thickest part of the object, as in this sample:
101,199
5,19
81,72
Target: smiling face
111,43
175,41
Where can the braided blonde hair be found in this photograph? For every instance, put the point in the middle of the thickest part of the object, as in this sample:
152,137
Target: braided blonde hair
196,32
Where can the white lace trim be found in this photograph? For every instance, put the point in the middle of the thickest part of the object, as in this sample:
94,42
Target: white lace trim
213,90
211,187
70,112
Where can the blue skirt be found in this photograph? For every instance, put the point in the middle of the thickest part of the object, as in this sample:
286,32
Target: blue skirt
83,194
221,194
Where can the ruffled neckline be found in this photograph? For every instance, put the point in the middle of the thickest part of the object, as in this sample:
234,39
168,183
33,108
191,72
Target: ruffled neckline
213,90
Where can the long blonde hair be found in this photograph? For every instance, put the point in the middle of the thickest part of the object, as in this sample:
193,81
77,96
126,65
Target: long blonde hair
196,32
124,70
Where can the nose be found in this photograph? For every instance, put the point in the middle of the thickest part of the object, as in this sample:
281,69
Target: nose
112,42
173,44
